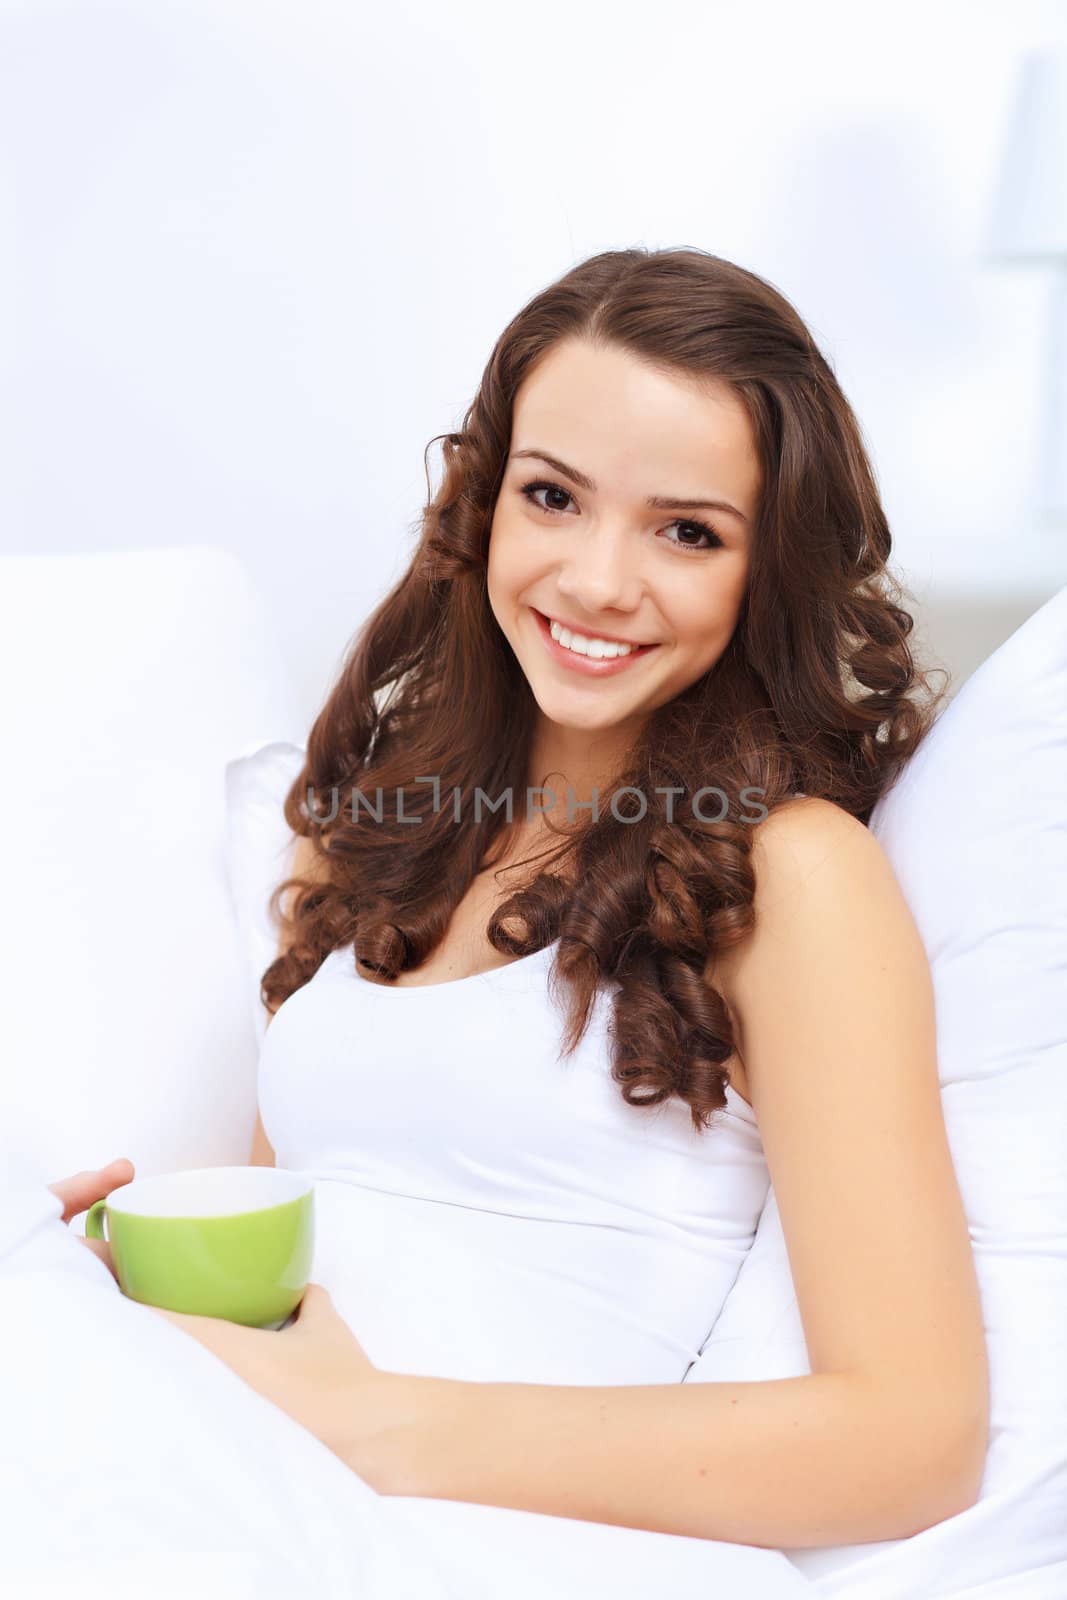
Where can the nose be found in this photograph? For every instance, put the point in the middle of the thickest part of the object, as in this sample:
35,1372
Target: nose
601,572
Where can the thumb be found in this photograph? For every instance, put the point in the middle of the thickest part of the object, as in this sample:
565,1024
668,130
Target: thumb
84,1189
315,1299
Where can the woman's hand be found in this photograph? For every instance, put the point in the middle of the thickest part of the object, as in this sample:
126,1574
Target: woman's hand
83,1190
317,1372
315,1369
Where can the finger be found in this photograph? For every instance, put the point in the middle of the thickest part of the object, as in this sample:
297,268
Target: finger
97,1181
316,1312
84,1189
116,1173
315,1298
77,1193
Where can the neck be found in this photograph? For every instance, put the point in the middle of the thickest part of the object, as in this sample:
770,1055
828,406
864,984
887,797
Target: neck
574,764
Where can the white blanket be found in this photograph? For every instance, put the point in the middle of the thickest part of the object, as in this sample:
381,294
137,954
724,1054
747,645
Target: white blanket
134,1462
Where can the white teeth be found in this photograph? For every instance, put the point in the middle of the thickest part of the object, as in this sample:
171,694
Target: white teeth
596,649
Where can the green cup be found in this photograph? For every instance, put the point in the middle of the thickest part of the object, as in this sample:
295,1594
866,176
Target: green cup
233,1242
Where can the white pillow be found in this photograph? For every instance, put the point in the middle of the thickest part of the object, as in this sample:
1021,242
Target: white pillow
133,677
976,831
259,854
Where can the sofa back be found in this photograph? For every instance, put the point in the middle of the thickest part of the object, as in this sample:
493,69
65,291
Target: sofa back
131,680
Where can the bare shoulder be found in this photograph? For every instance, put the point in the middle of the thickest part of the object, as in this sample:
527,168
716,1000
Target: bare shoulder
824,885
799,837
834,959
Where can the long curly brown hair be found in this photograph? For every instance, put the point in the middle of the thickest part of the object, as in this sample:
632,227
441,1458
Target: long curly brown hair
817,692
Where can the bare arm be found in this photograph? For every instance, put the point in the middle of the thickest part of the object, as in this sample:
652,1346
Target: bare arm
834,1004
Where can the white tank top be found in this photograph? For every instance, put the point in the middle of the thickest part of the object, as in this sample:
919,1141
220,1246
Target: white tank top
485,1210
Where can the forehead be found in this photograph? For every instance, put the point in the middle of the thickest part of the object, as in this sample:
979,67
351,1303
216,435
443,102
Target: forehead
616,417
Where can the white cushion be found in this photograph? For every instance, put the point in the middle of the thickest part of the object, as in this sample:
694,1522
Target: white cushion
975,830
259,849
132,678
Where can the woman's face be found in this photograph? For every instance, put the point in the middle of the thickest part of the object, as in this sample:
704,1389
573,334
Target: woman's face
597,435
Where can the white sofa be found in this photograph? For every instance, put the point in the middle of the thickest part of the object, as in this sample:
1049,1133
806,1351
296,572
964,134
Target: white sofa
130,680
150,734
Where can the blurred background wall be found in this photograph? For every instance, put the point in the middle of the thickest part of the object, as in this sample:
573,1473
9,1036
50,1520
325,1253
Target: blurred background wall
253,256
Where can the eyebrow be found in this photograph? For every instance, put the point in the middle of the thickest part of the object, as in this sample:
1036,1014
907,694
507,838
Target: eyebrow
658,502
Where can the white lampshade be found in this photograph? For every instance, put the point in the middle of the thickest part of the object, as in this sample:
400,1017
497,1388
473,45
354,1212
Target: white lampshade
1029,218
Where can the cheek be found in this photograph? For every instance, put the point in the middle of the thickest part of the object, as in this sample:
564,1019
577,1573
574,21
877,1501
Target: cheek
504,579
511,565
703,614
496,562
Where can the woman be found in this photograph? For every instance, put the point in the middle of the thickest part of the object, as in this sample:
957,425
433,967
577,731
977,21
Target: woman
685,896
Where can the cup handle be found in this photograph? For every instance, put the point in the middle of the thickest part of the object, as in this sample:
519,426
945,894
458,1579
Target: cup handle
94,1220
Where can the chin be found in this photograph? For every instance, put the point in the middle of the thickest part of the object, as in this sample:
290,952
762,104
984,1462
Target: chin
584,719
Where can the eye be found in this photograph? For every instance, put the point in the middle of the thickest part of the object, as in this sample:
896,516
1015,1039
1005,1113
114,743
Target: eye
532,489
714,542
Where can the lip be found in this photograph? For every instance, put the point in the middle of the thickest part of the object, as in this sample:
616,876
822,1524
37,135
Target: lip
609,638
591,667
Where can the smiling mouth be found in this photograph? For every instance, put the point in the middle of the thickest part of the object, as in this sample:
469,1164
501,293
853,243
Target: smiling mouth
599,661
590,634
